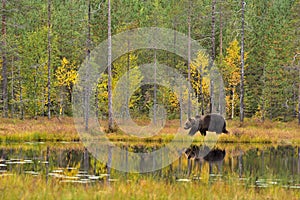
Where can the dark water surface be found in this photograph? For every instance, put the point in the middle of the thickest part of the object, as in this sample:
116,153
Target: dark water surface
252,165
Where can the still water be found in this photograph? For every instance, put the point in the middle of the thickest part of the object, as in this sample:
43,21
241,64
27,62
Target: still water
251,165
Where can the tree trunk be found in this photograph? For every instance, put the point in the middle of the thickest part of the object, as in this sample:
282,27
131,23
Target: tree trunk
21,93
299,98
221,93
232,103
4,63
201,91
242,65
97,102
263,107
294,100
180,89
213,34
12,90
181,106
127,83
189,60
298,67
87,87
221,33
213,55
49,58
35,92
155,90
109,85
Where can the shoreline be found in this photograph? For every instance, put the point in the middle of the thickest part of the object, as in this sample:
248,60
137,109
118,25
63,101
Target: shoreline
53,130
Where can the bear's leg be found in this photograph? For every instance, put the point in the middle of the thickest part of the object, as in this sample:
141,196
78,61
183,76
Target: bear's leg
224,129
203,132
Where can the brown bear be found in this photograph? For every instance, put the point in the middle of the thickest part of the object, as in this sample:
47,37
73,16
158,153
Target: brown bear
210,122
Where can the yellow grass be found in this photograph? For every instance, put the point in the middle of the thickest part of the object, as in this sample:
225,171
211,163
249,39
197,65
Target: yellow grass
250,131
28,187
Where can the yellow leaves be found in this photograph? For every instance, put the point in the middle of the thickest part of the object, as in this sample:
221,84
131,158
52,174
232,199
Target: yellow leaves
66,74
232,62
198,68
102,89
231,74
201,61
173,100
64,61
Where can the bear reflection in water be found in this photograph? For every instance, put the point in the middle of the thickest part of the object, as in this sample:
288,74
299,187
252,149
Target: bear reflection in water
203,153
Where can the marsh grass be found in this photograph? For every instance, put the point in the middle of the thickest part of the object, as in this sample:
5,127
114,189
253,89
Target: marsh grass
28,187
251,131
254,131
13,130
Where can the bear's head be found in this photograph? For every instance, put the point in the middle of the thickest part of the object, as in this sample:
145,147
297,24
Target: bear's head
190,122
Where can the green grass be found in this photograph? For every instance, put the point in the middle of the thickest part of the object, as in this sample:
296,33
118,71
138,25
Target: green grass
28,187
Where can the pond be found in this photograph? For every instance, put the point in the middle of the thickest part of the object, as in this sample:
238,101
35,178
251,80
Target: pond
252,165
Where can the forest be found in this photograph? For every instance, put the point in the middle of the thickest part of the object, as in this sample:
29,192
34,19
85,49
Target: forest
254,45
94,94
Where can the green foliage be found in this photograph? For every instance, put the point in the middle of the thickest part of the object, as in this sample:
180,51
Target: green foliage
270,44
271,40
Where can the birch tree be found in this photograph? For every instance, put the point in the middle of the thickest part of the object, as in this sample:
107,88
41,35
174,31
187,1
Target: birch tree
49,60
109,87
213,53
4,62
242,64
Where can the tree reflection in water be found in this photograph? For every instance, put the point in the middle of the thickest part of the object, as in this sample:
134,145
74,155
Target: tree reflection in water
257,165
